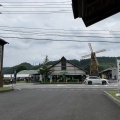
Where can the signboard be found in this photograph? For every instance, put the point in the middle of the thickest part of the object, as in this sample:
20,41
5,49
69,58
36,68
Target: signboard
92,11
63,72
1,57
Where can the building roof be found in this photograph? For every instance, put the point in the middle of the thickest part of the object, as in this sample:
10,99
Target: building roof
108,69
2,42
92,11
30,72
68,62
23,75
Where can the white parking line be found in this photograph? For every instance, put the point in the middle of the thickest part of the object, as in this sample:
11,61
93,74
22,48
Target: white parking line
60,85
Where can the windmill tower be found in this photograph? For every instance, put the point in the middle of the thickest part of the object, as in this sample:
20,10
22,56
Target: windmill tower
93,63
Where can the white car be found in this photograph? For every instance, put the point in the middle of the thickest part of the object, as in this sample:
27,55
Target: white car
95,80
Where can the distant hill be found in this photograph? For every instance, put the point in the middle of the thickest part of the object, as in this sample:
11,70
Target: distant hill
22,66
104,63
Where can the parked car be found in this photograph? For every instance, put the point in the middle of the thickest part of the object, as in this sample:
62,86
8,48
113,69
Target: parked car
95,80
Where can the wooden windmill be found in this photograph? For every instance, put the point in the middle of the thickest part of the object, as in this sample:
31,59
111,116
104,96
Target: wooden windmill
94,63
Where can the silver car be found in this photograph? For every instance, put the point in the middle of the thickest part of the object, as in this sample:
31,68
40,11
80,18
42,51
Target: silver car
95,80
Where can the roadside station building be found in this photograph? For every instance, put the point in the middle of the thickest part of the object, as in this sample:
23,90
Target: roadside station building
66,71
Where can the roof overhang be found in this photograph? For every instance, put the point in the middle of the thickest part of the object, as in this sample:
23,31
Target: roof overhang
92,11
3,42
106,70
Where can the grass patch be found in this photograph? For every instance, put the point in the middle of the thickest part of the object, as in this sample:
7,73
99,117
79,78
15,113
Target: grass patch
5,88
20,82
113,93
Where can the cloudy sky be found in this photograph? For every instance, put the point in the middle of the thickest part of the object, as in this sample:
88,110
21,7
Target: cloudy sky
32,28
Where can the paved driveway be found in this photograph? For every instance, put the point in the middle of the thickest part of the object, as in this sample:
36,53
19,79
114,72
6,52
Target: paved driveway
57,104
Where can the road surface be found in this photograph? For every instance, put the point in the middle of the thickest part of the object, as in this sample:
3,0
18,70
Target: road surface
57,102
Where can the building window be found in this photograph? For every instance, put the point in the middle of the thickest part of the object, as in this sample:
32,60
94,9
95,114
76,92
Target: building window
63,64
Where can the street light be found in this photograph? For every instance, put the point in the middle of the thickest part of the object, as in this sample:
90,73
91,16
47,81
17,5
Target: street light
2,43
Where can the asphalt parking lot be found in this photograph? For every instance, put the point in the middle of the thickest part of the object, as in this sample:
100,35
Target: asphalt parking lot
57,104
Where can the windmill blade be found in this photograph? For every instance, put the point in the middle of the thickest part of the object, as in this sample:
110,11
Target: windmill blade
90,47
99,51
86,56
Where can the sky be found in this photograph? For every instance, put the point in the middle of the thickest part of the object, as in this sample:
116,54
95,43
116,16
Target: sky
36,28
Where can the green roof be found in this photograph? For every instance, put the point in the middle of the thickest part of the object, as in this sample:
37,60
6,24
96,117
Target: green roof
28,72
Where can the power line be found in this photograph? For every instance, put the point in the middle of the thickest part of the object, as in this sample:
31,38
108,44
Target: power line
52,33
37,7
61,40
60,34
37,2
79,30
65,33
39,11
36,13
57,29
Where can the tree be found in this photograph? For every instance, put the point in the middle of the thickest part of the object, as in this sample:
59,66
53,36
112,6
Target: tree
19,68
44,69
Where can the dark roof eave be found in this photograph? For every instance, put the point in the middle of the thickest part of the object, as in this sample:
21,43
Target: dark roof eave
3,42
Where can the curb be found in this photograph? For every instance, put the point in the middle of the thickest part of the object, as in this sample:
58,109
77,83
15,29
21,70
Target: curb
2,91
112,98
